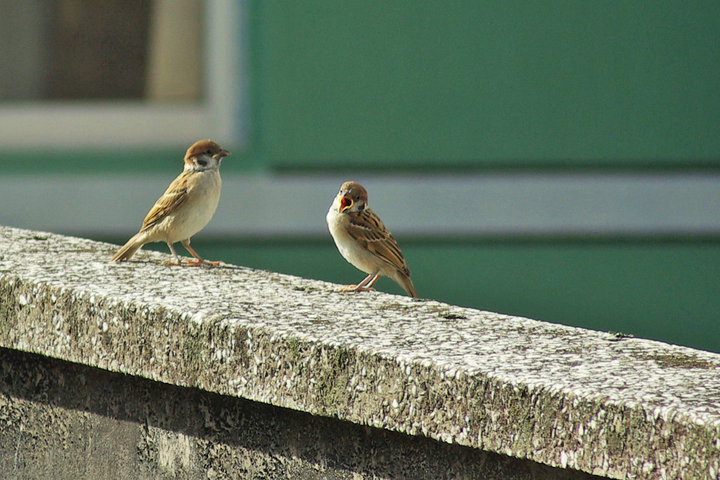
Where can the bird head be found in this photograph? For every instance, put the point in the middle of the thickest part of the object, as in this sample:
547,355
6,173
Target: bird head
204,155
352,198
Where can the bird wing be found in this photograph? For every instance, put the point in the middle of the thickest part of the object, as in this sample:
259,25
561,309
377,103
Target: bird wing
368,230
175,195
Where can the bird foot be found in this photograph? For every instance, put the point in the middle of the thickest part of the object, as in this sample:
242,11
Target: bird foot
192,263
195,262
355,288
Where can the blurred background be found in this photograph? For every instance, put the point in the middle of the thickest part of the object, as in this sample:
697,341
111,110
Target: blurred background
558,160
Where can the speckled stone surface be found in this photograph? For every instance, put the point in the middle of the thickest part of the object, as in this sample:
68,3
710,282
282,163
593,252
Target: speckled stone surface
562,396
66,421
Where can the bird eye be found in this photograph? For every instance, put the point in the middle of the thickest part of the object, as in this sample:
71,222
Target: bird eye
208,152
202,163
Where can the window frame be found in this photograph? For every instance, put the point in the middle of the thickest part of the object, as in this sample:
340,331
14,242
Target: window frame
140,123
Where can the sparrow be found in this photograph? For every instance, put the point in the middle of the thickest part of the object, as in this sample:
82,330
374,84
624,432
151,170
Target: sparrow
185,208
364,241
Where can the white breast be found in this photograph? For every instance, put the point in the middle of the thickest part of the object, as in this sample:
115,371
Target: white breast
199,208
359,257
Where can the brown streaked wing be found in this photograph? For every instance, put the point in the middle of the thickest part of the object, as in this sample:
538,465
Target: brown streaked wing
174,196
368,230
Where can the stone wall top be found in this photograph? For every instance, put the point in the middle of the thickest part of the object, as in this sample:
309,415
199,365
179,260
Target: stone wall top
568,397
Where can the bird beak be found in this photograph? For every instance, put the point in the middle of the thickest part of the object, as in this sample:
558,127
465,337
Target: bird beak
221,154
345,203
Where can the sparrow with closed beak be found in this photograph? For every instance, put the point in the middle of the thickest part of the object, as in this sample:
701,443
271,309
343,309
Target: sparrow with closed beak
186,206
364,241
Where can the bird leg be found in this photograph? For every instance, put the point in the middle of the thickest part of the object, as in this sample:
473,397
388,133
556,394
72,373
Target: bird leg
177,259
371,283
198,260
364,286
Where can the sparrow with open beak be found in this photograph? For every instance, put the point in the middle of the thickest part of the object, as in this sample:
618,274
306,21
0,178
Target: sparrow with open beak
364,241
186,206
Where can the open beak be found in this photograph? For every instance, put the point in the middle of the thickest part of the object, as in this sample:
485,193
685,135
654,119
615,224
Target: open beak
221,154
345,203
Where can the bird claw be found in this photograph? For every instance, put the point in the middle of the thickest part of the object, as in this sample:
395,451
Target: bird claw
355,288
193,263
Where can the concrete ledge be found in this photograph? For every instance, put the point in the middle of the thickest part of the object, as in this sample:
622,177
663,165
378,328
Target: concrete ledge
67,421
555,395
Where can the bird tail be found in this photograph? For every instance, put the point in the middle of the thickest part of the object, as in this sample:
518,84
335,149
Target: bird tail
405,282
129,249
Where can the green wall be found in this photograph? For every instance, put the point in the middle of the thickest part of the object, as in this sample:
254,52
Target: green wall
430,86
478,83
